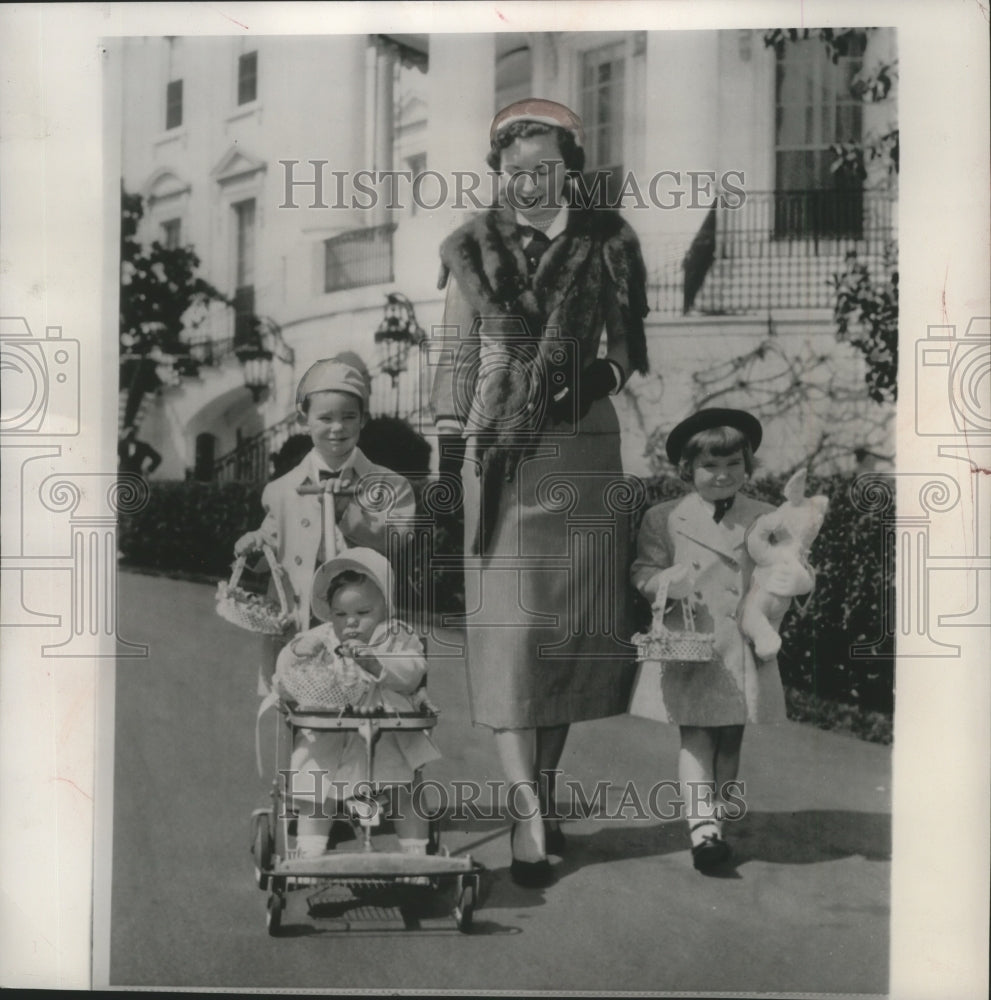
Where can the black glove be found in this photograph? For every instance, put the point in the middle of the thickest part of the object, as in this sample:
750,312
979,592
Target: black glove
596,381
450,495
452,455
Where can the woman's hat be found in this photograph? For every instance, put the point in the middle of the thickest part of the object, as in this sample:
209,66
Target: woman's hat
704,420
338,374
366,561
536,109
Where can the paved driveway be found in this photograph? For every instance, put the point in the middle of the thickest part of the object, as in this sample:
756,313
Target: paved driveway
806,909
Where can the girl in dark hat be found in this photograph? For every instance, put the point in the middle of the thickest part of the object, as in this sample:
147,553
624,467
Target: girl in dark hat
693,549
532,284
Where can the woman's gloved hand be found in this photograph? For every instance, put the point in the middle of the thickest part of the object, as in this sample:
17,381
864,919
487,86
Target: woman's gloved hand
597,380
451,456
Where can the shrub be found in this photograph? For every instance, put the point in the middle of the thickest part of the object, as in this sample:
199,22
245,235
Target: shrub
392,442
875,727
192,527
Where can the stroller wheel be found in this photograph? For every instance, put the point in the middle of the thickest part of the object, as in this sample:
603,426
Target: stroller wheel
273,915
262,846
433,837
464,909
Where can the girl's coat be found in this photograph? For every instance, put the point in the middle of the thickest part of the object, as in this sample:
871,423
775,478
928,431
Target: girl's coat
733,688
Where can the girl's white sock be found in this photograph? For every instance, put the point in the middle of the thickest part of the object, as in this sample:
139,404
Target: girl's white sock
700,829
311,836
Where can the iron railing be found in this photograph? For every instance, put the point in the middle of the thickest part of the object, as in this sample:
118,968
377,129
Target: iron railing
777,250
252,460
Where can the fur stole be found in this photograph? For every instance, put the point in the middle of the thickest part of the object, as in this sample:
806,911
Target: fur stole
591,269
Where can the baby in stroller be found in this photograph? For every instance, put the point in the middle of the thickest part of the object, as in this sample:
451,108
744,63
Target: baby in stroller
363,657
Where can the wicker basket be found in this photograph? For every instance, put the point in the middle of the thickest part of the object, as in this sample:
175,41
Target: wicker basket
311,682
660,643
252,611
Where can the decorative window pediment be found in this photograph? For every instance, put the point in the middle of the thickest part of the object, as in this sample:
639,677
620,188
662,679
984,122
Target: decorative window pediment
165,186
236,164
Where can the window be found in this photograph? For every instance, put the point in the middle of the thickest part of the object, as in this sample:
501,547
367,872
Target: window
244,270
815,109
172,233
173,104
602,93
247,78
362,257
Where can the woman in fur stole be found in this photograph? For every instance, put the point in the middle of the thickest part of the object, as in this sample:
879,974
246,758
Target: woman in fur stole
532,283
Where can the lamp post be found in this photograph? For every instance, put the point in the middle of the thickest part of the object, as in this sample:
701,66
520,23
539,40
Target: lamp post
398,332
256,361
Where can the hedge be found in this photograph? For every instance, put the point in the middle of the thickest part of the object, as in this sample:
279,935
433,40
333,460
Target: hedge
192,526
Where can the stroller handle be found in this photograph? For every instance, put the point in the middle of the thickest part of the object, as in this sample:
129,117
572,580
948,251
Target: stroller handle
325,487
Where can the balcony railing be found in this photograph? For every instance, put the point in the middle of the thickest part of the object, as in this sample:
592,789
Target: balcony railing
251,460
778,250
210,352
358,258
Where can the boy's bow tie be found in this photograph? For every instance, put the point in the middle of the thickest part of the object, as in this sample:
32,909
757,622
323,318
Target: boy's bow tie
328,474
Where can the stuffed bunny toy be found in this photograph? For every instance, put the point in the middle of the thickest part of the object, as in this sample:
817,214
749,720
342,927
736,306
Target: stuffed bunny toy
779,543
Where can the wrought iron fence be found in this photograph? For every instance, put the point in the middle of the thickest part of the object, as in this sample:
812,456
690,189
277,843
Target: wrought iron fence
251,460
401,398
778,250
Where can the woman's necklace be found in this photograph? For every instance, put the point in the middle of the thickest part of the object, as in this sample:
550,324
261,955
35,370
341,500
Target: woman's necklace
542,222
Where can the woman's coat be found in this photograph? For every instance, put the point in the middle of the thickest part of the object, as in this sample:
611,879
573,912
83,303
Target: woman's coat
547,609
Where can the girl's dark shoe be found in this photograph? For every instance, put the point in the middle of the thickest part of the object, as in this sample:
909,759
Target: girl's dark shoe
710,853
709,850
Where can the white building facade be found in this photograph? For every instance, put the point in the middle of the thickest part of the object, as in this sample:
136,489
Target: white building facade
251,150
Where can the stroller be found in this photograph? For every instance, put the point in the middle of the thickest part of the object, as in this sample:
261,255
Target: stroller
356,877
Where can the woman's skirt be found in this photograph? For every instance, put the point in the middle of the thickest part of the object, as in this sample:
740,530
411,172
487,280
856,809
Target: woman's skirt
548,606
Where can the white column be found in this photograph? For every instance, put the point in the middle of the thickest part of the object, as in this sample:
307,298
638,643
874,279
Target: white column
682,134
385,66
461,91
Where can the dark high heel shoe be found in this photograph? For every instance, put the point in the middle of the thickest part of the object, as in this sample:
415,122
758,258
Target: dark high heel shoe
554,840
529,874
